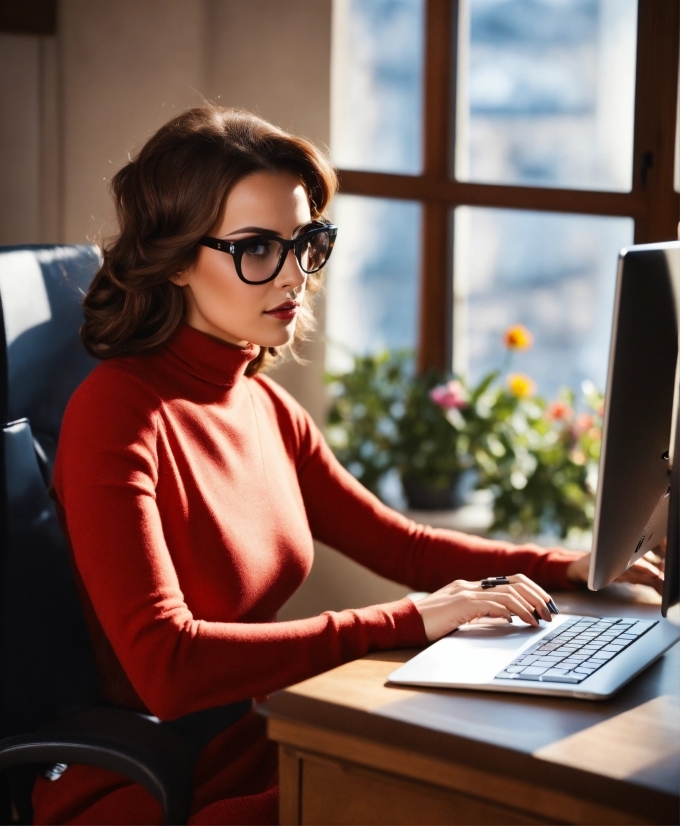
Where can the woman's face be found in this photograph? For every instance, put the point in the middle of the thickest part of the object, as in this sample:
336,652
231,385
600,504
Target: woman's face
218,302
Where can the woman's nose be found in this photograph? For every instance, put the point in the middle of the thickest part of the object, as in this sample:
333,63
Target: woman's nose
291,274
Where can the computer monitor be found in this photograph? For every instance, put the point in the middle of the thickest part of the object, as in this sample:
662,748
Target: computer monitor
638,494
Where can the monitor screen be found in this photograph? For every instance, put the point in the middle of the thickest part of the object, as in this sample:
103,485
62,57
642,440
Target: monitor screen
635,495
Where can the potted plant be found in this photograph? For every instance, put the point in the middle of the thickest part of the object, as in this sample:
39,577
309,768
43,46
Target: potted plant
385,419
538,459
541,464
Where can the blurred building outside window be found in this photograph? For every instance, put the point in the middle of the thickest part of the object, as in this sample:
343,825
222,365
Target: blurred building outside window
376,124
546,92
544,97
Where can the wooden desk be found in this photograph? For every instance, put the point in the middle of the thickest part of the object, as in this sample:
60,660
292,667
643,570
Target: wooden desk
354,750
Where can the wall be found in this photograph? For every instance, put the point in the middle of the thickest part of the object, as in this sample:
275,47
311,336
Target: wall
28,157
74,106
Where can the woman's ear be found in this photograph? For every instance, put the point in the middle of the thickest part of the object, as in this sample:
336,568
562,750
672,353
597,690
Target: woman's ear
180,279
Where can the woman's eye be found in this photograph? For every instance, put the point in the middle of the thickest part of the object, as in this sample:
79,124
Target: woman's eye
258,250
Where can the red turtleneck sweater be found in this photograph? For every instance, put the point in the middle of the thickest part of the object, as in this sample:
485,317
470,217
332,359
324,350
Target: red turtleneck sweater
191,495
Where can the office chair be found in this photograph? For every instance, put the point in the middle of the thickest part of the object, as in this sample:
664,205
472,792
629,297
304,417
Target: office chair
51,711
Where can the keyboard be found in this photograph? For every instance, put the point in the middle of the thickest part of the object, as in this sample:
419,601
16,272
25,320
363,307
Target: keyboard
576,649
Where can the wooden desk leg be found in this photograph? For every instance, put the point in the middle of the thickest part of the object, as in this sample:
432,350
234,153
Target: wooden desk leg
290,786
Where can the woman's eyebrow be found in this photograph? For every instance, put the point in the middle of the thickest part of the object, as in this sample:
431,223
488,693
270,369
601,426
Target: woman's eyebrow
264,231
252,229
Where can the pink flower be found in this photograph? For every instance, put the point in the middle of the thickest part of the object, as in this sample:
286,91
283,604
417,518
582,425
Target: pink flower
583,423
449,396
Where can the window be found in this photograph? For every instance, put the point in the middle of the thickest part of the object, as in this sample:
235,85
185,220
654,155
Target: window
525,142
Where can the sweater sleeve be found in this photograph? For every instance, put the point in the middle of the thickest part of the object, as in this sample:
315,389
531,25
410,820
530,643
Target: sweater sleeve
105,480
346,516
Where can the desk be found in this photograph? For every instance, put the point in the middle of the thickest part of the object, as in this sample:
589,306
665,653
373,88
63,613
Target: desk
355,750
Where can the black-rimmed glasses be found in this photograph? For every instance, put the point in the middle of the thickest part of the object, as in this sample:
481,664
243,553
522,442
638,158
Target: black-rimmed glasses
259,259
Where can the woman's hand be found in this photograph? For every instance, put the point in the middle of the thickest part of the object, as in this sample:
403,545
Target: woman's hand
646,571
462,601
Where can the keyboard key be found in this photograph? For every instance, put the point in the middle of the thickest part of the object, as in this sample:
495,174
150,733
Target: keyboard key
554,676
533,671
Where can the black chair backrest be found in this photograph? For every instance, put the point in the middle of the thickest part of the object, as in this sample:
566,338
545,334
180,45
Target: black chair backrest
46,663
41,358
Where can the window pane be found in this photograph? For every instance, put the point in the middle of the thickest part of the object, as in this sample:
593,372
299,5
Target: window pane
376,95
555,273
546,92
372,286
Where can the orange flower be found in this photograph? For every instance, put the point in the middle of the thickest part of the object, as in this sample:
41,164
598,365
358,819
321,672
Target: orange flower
518,337
558,411
521,385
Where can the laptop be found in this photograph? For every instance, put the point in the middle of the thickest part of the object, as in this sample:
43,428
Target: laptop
638,500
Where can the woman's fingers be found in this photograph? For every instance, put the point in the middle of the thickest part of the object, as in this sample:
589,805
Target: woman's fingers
643,572
462,601
534,597
490,608
512,601
527,591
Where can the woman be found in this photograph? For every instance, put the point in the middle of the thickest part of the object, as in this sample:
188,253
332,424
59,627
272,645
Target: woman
190,485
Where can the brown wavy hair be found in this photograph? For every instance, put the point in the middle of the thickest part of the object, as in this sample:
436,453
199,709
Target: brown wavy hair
169,196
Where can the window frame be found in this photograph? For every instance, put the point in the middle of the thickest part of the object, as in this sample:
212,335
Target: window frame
653,203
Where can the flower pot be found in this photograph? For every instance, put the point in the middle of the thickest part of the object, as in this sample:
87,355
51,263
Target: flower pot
422,495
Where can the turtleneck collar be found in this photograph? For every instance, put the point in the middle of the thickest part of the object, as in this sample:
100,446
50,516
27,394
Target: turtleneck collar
209,359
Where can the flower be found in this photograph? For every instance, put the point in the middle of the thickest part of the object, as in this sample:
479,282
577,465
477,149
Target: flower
449,396
583,423
518,337
521,385
558,411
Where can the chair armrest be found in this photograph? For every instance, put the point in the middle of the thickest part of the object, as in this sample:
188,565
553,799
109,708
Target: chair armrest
134,745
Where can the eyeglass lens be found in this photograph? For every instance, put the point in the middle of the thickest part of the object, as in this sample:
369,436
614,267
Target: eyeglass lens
313,252
260,259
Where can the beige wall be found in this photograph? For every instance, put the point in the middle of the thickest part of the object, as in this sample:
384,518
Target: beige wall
20,118
74,106
125,67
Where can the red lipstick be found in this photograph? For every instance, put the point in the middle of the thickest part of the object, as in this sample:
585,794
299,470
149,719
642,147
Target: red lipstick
285,311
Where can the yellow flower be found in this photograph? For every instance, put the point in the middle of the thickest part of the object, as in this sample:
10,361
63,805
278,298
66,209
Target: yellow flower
518,337
521,385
